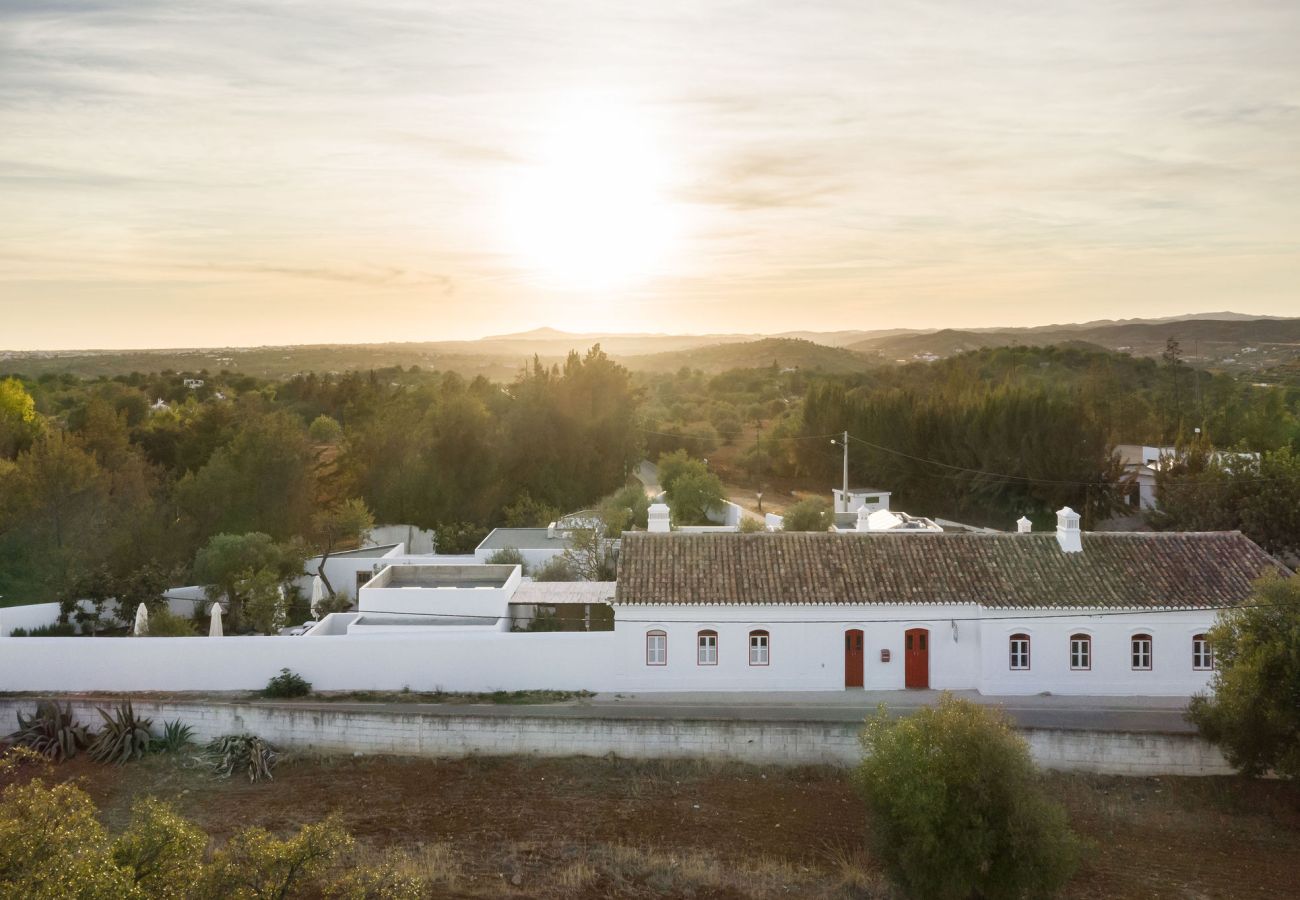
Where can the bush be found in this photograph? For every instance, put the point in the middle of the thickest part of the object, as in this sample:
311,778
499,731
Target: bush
957,808
287,684
256,864
458,537
165,623
557,568
813,514
242,753
51,731
507,556
324,430
124,736
162,851
175,737
58,629
1253,710
750,525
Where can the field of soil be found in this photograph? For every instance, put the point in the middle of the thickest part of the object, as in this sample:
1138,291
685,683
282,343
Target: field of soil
588,828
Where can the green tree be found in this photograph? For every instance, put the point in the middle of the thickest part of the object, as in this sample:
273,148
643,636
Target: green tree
265,604
325,430
692,497
526,512
557,568
957,808
590,555
19,421
625,509
810,514
344,523
507,556
228,561
1253,709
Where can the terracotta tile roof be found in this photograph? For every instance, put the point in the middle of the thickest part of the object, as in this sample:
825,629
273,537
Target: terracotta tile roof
1121,570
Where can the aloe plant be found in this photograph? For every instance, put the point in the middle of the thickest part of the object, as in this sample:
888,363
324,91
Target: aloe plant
242,753
176,736
124,737
51,731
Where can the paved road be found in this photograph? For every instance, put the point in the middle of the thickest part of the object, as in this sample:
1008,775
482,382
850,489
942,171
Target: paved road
1133,714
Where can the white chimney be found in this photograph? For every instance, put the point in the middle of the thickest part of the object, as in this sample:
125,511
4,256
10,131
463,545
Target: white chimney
864,516
1023,525
1067,530
657,517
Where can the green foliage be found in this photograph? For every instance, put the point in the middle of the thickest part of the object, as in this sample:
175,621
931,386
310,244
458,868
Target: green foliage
678,464
230,565
52,846
19,423
1226,492
255,865
324,430
811,514
265,602
507,556
161,851
750,525
343,523
458,537
124,736
175,737
165,623
526,512
957,808
287,684
693,495
590,556
385,880
245,753
1253,709
557,568
57,629
625,509
51,731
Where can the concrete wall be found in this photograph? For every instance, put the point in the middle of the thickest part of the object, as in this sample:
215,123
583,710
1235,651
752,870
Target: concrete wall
322,729
417,540
456,661
180,601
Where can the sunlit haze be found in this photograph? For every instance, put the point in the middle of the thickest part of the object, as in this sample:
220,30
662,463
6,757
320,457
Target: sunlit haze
206,174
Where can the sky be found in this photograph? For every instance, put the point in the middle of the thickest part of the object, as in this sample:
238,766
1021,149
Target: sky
177,174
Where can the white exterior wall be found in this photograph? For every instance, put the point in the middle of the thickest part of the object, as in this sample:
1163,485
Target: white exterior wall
806,647
481,600
416,540
342,569
1171,673
484,661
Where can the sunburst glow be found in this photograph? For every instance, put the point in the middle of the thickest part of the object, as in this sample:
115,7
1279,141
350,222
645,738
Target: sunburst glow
592,210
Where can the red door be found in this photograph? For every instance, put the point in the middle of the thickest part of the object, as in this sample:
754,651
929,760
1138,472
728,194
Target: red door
853,657
916,658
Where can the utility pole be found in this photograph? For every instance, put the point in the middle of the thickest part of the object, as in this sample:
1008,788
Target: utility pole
845,496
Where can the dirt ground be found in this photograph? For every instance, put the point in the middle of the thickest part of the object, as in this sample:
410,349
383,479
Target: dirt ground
581,827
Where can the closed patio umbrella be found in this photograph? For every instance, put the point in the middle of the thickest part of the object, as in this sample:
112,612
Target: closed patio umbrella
317,595
214,629
141,621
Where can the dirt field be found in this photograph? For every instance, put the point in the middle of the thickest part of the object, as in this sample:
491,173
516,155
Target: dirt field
593,828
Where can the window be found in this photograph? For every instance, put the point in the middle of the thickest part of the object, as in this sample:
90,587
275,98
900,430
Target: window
1080,651
708,649
758,648
656,648
1141,651
1202,653
1019,651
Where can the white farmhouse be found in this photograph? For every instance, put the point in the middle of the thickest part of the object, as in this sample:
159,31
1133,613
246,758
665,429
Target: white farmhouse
1026,613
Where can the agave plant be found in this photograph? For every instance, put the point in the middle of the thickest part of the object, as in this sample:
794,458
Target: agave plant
176,736
124,737
51,731
242,753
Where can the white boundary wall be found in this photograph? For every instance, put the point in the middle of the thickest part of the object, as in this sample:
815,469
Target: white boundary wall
322,729
806,653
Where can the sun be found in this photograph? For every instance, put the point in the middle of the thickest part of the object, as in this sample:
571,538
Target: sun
592,209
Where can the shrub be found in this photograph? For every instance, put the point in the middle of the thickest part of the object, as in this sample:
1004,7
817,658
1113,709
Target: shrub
162,852
58,629
165,623
813,514
287,684
124,736
242,753
557,568
750,525
51,731
175,737
325,430
507,556
1253,711
265,603
255,864
957,809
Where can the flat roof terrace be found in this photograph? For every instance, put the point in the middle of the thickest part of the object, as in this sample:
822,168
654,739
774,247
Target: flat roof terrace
463,577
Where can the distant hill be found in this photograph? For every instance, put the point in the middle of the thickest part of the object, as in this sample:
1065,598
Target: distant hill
786,353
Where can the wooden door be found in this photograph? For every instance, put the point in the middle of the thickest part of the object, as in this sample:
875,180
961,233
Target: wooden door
853,657
916,658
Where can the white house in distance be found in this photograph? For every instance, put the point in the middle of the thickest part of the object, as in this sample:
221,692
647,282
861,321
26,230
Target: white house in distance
1142,462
